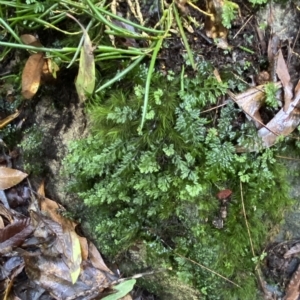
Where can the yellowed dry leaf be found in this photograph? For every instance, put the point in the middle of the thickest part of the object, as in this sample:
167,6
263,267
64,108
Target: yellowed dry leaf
10,177
31,76
85,80
8,119
73,255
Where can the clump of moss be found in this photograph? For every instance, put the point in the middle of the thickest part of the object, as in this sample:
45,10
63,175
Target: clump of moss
158,188
31,147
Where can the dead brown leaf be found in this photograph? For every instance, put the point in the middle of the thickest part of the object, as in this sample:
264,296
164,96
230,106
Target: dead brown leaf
292,290
10,177
31,76
30,39
96,259
51,209
84,247
14,235
284,76
250,102
6,213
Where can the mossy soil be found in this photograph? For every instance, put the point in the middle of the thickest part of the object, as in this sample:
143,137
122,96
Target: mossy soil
150,199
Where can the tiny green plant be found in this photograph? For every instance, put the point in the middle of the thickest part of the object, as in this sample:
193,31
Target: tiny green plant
229,13
158,188
31,147
260,258
259,2
271,90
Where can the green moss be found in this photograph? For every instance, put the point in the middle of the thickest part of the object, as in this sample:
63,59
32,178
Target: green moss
31,147
159,188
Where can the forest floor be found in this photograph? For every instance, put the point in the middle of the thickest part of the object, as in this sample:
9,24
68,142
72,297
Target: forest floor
260,46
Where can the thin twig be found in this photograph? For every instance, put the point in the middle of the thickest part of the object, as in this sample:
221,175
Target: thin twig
289,158
197,8
208,269
243,26
213,108
247,225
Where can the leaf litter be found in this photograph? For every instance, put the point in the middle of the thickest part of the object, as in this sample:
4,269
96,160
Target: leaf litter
250,102
287,118
58,262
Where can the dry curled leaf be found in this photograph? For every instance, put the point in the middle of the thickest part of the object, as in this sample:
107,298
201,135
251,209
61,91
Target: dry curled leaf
10,177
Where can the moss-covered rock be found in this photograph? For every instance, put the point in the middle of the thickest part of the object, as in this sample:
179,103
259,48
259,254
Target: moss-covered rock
159,186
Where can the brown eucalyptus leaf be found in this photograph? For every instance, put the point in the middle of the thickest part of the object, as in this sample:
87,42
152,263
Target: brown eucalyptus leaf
284,76
31,76
14,235
10,177
96,259
12,229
